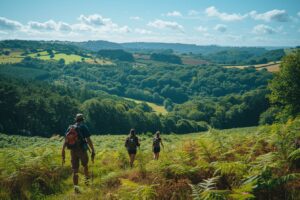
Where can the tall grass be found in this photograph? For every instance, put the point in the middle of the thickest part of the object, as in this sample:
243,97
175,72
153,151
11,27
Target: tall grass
249,163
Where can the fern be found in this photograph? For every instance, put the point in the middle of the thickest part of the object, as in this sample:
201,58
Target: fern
243,192
294,155
237,169
206,190
131,190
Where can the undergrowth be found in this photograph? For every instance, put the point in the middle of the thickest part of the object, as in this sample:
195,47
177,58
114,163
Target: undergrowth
249,163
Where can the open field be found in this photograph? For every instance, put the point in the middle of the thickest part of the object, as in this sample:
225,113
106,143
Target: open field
271,66
156,108
13,57
16,56
244,163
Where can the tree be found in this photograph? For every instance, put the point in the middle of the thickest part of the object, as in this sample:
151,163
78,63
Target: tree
170,58
285,87
61,62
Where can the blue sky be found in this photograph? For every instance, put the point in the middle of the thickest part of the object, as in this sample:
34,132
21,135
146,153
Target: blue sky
203,22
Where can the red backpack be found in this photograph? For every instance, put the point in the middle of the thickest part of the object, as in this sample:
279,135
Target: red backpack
72,137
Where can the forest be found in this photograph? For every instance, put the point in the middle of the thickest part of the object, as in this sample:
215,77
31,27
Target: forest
195,96
40,96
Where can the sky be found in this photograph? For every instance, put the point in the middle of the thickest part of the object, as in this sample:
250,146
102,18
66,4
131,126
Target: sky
201,22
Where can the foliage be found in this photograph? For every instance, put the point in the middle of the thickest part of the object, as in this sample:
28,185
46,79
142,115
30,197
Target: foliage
117,54
169,58
285,87
245,163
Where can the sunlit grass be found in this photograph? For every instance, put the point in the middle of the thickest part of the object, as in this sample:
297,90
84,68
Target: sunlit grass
156,108
237,163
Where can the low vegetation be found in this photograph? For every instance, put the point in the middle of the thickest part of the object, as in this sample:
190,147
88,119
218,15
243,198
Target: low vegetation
249,163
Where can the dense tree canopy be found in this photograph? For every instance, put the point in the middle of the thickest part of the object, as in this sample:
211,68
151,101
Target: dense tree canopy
195,96
116,54
169,58
285,86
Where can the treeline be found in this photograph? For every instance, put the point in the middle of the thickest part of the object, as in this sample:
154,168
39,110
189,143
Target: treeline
169,58
171,83
226,112
34,108
238,57
116,54
35,46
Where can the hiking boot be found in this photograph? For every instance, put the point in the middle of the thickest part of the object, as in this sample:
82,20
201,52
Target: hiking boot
76,189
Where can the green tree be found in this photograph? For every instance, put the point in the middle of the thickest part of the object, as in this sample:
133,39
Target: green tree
285,87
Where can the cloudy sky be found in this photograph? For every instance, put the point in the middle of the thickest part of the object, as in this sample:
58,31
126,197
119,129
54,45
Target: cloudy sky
203,22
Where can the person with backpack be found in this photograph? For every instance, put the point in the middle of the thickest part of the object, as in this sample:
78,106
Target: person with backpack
131,144
78,141
156,145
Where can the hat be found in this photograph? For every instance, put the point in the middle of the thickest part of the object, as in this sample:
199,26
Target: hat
79,117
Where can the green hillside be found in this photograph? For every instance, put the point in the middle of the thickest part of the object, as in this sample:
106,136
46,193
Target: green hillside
248,163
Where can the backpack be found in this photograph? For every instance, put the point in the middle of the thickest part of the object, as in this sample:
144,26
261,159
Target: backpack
131,143
73,137
156,142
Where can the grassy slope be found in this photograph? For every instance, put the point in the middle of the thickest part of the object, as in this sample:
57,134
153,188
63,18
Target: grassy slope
271,66
156,108
15,57
234,154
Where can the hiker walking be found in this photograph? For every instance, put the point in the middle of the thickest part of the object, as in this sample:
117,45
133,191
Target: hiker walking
156,145
131,144
78,141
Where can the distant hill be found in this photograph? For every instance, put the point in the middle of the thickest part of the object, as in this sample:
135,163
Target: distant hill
156,46
189,48
97,45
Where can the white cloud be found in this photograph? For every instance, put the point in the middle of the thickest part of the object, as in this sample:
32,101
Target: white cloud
82,27
221,27
64,27
123,29
142,31
201,29
94,20
213,12
49,25
272,15
263,29
135,18
99,24
174,14
7,24
160,24
193,13
43,26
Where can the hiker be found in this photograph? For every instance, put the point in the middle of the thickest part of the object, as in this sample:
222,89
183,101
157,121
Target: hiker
156,145
131,144
78,141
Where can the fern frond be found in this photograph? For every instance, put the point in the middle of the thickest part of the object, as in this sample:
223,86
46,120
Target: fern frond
294,155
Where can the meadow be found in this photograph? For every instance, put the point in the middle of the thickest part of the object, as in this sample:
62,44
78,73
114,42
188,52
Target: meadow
271,66
17,55
159,109
242,163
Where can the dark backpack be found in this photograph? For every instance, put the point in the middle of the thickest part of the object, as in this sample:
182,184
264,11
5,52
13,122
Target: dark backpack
131,143
156,142
73,137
